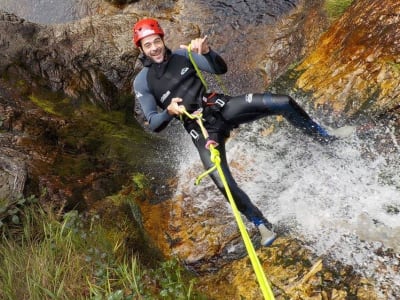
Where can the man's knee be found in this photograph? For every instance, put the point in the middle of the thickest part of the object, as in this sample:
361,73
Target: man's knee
278,103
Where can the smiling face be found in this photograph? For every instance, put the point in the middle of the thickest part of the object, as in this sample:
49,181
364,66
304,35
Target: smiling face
153,47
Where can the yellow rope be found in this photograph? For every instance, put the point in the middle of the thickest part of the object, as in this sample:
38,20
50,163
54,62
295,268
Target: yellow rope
215,158
196,67
200,75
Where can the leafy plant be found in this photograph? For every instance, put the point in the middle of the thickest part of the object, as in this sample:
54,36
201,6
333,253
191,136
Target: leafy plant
10,210
170,278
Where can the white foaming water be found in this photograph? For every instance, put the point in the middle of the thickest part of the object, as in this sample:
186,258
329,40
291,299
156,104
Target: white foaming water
342,205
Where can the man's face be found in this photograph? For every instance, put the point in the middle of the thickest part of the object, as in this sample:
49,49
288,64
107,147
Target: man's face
153,47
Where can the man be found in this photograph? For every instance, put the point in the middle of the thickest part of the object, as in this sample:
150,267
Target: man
169,81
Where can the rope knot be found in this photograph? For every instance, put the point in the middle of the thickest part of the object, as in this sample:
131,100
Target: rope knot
210,143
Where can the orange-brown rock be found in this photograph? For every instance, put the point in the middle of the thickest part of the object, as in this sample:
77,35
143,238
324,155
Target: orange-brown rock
356,68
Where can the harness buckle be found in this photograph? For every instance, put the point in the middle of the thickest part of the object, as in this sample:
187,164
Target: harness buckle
194,134
220,102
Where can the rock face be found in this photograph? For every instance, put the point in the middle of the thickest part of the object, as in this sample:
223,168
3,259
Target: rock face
12,173
355,68
94,59
90,59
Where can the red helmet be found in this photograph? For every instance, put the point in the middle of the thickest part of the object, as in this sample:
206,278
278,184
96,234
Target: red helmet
145,28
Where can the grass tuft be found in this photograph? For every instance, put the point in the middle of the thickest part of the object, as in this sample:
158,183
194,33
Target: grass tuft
45,257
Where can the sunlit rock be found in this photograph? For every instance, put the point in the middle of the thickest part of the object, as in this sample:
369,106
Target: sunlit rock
355,67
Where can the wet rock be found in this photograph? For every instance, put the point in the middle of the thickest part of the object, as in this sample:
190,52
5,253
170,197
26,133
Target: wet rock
75,58
258,39
354,70
69,162
91,59
94,58
13,173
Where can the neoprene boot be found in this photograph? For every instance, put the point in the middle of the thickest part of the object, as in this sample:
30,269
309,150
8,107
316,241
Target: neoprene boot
268,236
319,133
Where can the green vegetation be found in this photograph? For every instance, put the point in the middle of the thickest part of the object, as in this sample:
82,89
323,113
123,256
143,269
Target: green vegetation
335,8
69,257
102,134
10,210
395,66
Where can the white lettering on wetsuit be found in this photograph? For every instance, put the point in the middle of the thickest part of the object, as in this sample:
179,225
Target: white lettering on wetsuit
165,96
184,70
249,98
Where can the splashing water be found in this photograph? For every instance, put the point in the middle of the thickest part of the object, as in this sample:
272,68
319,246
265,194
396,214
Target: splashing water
343,204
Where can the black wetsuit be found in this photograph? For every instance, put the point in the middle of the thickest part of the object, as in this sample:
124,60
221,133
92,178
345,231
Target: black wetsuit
157,84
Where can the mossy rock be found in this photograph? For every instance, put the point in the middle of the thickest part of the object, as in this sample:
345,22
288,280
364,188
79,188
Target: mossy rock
121,220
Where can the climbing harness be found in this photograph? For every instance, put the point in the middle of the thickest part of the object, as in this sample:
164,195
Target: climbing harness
215,158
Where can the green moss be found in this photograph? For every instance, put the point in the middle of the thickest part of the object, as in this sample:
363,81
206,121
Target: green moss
367,105
52,103
335,8
106,134
395,66
73,166
121,209
140,180
45,105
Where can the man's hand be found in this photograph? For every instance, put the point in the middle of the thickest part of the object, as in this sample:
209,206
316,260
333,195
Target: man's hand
174,109
199,45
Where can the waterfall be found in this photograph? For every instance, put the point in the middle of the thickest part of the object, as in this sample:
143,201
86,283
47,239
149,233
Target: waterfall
341,200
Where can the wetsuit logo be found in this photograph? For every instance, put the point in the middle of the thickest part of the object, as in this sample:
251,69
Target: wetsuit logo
184,70
138,94
165,96
249,98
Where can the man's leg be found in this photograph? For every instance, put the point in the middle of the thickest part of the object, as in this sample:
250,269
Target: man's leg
250,107
242,200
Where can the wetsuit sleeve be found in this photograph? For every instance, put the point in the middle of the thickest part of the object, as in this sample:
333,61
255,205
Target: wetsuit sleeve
211,62
157,120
